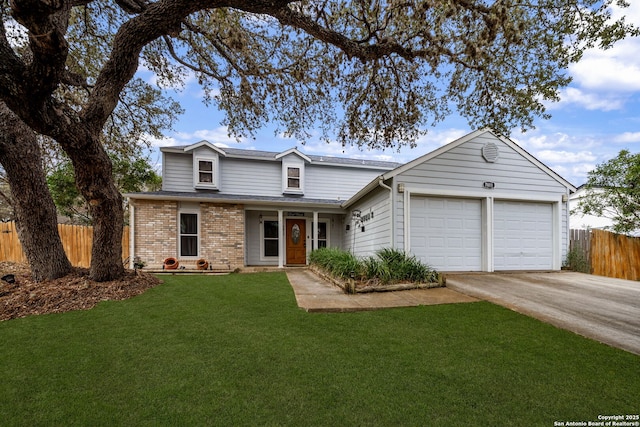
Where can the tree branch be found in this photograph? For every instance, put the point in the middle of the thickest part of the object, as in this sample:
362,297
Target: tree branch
47,25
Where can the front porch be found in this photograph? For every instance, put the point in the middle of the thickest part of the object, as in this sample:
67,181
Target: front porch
279,237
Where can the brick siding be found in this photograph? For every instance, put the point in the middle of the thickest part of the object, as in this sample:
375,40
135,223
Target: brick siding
221,234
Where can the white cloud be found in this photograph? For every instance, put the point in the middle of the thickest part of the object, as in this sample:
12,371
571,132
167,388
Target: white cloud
551,156
627,137
606,80
441,137
588,100
161,142
218,136
533,140
613,70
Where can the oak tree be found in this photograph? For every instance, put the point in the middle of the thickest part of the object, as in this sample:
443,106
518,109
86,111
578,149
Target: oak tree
370,72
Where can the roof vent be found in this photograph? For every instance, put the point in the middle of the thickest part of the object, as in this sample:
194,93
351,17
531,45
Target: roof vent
490,152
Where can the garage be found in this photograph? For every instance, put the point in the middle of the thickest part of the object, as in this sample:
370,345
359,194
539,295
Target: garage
446,233
479,203
523,235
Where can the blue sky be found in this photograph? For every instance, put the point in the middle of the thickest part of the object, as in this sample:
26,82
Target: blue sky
598,115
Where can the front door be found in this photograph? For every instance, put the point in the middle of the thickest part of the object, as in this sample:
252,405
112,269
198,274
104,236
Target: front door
296,241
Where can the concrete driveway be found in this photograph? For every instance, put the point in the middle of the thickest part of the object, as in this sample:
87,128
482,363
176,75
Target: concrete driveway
601,308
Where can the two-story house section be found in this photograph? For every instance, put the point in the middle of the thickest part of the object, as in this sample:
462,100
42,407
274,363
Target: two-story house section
479,203
235,207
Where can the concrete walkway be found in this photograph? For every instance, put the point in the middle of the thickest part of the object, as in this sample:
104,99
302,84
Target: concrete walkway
314,294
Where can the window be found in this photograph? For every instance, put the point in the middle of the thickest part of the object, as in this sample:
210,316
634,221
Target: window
205,173
323,239
270,238
188,234
293,178
322,235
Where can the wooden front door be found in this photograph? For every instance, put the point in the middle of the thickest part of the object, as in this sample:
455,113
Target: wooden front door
296,241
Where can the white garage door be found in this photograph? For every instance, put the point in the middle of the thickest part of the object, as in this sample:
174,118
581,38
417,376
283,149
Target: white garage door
523,236
447,233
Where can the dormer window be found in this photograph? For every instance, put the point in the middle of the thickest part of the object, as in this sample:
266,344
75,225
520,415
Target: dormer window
293,177
205,171
293,163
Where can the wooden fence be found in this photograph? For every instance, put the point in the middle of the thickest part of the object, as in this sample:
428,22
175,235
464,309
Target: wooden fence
609,254
76,240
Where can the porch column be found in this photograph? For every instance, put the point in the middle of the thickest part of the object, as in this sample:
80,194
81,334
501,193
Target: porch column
281,246
314,237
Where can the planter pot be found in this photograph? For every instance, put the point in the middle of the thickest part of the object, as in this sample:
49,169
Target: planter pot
202,264
170,264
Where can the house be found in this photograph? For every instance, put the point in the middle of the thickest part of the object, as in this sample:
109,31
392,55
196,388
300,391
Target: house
581,221
480,203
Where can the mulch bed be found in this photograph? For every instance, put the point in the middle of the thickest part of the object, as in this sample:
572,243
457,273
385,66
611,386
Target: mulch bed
75,291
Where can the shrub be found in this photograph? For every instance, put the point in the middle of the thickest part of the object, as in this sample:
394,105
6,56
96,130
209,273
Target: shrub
336,261
577,261
405,267
375,268
388,266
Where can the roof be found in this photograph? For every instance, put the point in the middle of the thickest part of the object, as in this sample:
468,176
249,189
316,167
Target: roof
275,156
211,196
407,166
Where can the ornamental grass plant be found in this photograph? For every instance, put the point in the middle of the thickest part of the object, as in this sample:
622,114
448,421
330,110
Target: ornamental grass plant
387,266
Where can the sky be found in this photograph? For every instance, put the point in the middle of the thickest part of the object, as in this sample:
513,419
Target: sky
598,115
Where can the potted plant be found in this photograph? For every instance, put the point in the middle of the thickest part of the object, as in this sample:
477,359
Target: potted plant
138,264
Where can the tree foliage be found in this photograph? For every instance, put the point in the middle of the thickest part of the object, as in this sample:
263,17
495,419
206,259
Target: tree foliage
130,174
369,72
613,191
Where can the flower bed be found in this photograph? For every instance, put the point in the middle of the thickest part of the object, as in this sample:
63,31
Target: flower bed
389,270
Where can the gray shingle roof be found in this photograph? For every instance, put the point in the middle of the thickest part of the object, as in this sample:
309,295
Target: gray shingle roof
240,198
271,155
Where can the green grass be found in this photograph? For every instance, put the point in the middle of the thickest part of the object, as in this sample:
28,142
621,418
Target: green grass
236,350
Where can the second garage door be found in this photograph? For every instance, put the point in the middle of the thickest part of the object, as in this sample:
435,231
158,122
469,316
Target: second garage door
523,236
446,233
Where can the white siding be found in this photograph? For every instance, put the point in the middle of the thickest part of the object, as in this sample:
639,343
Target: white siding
250,177
336,183
377,228
177,172
463,168
264,178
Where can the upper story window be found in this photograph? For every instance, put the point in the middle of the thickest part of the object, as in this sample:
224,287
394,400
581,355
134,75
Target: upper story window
205,172
293,178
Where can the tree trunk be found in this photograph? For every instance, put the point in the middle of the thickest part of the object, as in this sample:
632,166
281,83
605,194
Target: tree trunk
36,216
94,177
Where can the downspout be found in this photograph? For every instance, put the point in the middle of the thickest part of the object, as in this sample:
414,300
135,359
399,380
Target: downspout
132,234
391,210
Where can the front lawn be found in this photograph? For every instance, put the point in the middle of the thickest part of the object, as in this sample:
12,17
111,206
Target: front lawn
236,350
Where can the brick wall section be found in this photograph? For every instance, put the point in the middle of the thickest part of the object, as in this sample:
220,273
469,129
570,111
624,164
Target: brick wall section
156,231
221,235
